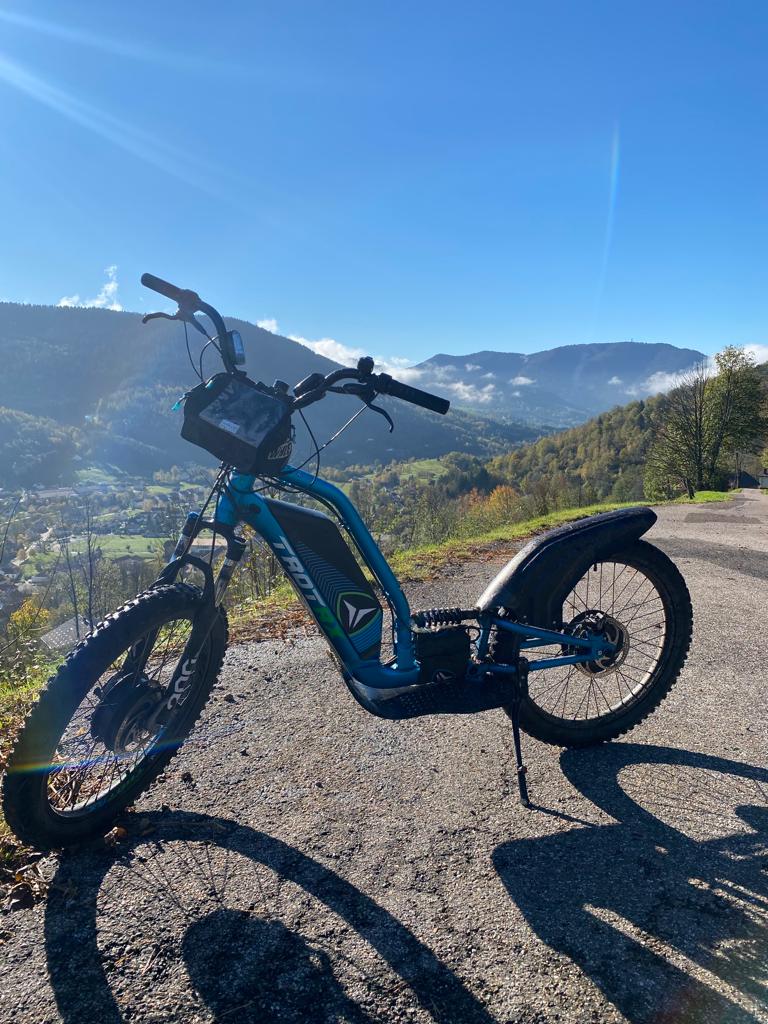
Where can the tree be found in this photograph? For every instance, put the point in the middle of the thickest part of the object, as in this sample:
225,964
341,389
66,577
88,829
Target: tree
705,420
737,408
678,450
504,504
658,485
20,651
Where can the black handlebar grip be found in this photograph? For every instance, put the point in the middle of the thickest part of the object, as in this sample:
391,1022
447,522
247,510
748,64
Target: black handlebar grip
413,395
157,284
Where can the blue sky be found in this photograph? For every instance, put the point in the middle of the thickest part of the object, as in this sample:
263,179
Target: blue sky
402,178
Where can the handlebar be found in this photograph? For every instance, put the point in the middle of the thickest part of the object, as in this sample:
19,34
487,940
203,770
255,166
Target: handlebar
179,295
378,383
189,303
386,385
316,386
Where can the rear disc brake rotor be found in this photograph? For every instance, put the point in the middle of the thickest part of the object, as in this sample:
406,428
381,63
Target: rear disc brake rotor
597,623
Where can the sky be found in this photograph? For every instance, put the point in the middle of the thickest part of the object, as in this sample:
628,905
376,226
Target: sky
400,178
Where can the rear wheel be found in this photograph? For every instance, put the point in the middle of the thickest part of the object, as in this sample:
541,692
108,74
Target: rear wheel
105,725
639,601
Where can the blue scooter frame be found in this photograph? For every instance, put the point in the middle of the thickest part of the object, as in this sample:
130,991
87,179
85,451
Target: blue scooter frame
241,504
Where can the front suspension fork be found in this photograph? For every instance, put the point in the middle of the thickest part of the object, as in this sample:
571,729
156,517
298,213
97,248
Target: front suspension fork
179,686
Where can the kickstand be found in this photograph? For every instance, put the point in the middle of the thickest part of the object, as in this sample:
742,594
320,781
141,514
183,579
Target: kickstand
521,691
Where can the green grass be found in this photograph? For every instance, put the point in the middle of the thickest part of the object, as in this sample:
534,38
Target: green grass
422,469
702,497
92,475
417,564
116,545
163,490
423,562
38,565
113,545
16,696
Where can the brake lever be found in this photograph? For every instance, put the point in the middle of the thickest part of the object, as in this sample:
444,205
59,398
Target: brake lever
187,318
366,392
154,316
384,413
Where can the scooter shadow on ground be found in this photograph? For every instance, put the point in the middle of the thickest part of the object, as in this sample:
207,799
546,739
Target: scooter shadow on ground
245,963
659,915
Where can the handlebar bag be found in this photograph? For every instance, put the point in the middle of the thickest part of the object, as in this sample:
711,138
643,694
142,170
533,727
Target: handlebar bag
239,422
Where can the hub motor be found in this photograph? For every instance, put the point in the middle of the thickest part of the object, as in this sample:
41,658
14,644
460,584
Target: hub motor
596,623
122,717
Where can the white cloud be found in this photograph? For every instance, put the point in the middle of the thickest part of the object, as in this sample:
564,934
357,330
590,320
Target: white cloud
489,376
331,349
515,394
661,381
400,367
471,367
270,324
520,381
440,374
106,299
469,393
615,380
758,352
397,366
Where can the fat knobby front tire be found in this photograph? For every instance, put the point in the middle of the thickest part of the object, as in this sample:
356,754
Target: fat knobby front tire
50,803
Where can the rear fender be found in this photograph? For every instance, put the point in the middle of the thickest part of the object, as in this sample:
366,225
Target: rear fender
532,586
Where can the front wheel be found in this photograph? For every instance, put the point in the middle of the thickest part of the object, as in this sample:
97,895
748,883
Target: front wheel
105,725
640,602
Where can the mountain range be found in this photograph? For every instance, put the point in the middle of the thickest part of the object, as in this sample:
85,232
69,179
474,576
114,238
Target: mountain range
560,386
93,385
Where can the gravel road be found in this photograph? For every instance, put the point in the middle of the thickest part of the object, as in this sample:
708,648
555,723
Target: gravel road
302,861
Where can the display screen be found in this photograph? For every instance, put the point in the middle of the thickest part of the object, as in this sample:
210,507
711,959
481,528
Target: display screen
244,412
238,348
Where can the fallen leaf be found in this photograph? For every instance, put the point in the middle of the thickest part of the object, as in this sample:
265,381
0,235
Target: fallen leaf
116,835
20,897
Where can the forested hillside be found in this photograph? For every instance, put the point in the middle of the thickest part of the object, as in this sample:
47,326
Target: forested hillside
34,449
107,384
604,458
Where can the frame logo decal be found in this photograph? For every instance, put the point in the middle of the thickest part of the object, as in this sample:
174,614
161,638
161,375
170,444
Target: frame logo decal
355,610
306,587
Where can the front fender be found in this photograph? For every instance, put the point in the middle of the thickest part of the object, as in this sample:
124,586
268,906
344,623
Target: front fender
531,586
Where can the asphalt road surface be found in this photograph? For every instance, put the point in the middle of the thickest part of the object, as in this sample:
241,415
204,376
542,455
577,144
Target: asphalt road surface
302,861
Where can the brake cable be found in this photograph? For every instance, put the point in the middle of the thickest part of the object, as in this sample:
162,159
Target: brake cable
330,440
211,341
314,442
198,373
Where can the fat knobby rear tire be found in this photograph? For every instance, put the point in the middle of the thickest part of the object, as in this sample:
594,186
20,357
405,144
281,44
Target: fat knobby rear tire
671,587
